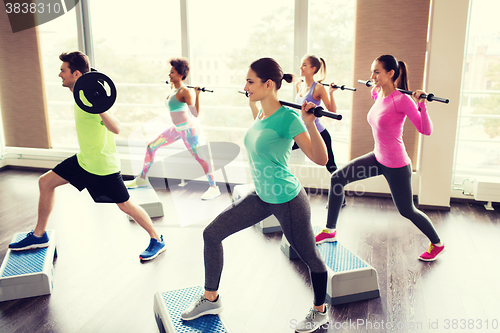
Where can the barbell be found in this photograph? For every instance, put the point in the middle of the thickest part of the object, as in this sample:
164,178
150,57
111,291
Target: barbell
203,89
318,110
429,97
90,89
342,87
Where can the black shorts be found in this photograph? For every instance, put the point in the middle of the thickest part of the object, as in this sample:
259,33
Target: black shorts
106,189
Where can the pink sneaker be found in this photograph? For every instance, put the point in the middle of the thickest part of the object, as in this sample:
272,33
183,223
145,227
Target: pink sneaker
431,253
326,236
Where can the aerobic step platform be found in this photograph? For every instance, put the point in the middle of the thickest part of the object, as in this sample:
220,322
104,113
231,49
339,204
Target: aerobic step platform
350,279
147,198
169,305
267,225
28,273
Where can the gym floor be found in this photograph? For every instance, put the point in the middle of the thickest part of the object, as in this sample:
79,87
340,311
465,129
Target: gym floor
101,286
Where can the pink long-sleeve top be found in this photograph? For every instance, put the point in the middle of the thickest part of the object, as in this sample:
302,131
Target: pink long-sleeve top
387,117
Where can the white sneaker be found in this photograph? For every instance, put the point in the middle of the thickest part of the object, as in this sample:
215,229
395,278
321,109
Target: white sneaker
211,193
137,182
313,321
201,307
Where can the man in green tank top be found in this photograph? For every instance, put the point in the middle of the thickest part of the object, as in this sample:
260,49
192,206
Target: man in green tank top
95,167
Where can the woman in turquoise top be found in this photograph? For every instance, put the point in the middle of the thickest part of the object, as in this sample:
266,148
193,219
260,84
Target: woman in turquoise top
277,191
183,113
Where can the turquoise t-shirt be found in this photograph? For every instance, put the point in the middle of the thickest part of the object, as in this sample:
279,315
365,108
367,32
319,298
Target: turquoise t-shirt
269,144
98,154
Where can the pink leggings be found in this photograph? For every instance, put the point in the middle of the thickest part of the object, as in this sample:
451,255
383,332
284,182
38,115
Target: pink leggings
191,141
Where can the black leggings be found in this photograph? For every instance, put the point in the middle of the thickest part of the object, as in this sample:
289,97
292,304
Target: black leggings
330,165
295,220
399,180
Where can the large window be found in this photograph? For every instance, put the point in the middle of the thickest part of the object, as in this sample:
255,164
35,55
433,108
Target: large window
225,38
133,43
478,143
222,51
56,37
331,36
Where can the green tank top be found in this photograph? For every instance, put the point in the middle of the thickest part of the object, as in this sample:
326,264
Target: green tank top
98,154
174,105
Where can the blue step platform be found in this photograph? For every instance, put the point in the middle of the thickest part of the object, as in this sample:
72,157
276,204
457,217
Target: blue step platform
28,273
169,305
147,198
267,225
350,279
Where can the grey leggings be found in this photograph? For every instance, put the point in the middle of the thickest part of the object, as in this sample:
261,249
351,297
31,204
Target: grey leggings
295,220
399,180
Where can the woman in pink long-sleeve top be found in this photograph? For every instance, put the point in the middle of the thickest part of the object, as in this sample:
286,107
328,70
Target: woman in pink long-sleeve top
388,158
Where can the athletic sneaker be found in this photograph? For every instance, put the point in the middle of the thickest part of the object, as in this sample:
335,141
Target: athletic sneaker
201,307
326,236
211,193
137,182
30,242
431,253
313,321
154,249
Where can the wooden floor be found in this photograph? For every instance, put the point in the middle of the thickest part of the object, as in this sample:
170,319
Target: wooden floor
101,286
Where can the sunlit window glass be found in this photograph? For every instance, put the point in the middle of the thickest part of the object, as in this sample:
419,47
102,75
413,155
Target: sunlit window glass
225,38
478,143
133,43
58,36
331,37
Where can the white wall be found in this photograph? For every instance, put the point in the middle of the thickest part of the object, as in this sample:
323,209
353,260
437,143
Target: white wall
448,26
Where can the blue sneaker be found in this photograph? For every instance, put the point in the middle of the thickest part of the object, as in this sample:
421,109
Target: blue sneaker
30,242
154,249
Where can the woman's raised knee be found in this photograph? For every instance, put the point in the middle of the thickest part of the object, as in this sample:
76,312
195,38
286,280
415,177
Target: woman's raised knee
210,235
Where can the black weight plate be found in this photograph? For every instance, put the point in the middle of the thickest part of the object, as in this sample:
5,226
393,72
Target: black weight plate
91,83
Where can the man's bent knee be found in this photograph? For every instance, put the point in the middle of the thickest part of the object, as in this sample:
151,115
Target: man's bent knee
128,207
50,180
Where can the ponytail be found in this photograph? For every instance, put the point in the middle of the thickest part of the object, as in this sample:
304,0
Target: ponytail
288,77
402,81
322,70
